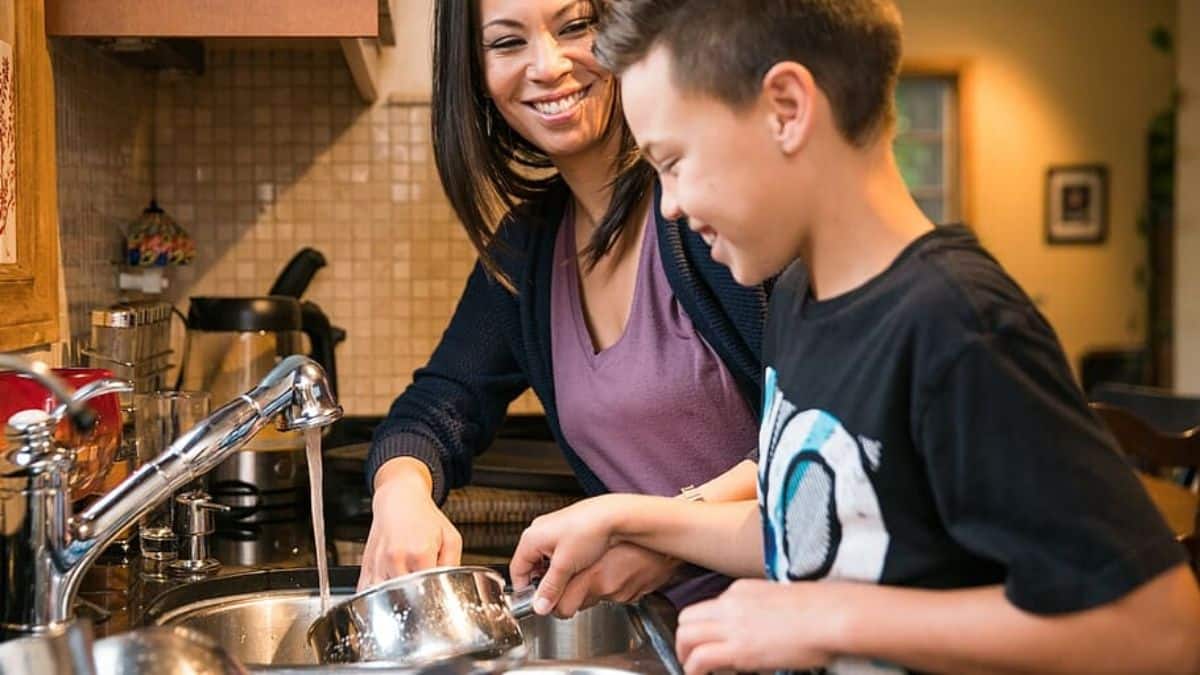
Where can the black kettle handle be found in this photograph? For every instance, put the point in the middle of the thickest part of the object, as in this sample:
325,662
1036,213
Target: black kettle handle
298,272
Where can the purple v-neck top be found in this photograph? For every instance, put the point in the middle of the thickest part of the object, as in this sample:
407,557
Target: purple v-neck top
657,410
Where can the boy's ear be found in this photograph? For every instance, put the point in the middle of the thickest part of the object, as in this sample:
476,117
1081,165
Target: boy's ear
789,93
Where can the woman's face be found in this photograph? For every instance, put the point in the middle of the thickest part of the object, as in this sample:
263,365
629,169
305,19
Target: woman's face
541,75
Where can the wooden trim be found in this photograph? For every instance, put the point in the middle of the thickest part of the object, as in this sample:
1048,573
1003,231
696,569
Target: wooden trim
362,57
1139,439
963,73
212,18
29,288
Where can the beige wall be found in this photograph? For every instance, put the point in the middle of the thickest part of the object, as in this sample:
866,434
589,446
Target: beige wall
1049,82
1187,206
1061,82
273,150
104,114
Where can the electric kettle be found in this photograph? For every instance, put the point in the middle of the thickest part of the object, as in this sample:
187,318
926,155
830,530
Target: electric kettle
231,343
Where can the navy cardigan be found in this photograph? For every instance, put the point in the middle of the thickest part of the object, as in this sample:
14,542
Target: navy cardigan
498,344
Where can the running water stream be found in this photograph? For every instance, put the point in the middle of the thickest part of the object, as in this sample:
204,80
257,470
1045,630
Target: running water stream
312,441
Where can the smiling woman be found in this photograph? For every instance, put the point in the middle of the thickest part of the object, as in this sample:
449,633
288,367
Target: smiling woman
503,86
642,351
542,77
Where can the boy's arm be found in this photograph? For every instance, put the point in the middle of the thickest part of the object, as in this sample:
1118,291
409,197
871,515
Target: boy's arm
627,572
725,537
735,485
1153,629
762,626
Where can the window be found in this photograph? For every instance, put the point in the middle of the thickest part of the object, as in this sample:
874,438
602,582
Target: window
927,143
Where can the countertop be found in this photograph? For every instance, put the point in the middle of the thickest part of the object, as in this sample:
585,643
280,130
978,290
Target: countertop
522,456
490,519
124,586
521,476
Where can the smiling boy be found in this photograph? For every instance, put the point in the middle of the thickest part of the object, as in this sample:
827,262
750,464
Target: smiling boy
933,489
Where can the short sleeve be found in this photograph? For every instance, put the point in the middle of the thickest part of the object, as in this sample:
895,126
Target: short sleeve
1024,474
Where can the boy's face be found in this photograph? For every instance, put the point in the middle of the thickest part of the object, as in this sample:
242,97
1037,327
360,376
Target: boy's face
720,168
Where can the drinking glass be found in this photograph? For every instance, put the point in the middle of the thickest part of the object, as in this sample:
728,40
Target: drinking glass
160,418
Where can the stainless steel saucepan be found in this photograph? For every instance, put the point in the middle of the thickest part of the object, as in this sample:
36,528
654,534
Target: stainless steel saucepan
423,618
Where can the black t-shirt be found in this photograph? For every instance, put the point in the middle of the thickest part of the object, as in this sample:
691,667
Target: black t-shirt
924,430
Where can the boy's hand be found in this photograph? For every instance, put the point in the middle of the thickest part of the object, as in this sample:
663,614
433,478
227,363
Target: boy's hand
624,574
572,539
758,625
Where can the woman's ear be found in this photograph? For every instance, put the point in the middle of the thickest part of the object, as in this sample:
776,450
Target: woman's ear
788,95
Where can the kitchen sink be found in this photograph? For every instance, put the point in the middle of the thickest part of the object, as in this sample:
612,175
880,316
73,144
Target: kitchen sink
262,619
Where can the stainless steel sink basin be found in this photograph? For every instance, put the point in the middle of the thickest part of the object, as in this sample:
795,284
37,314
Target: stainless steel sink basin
568,670
265,628
599,631
262,619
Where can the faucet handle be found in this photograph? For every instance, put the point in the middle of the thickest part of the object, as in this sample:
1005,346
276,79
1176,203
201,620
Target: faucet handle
30,437
194,513
86,418
193,523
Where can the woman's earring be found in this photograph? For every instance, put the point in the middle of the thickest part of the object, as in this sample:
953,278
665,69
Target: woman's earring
488,112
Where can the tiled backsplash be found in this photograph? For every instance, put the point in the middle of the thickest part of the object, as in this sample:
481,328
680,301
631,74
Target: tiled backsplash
271,151
266,153
104,116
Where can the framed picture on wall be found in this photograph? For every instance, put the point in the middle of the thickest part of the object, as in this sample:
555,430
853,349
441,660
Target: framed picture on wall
28,180
1077,204
8,158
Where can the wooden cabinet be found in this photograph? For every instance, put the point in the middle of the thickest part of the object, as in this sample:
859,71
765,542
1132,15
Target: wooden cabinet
213,18
363,27
29,270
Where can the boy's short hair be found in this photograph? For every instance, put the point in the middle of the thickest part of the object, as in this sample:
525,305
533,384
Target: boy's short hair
724,48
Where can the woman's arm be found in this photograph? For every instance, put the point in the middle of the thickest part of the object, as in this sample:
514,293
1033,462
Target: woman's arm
434,430
459,398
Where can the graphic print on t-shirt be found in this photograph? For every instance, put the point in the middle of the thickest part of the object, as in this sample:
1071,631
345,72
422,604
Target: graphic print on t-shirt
821,515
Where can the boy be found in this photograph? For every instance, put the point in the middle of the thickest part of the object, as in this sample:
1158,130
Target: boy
924,452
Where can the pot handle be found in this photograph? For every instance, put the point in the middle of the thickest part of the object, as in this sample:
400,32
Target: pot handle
520,601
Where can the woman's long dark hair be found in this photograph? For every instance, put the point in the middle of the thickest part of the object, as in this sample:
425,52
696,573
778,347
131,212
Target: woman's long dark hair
487,175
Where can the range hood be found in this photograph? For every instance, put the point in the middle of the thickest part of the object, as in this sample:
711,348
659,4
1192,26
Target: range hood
179,55
169,34
213,18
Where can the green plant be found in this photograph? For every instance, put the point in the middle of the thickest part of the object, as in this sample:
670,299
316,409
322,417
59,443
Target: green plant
1156,225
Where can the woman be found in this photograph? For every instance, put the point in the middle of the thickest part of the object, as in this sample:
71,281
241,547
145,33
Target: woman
642,350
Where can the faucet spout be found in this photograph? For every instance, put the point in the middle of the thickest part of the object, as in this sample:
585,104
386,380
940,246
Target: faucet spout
295,391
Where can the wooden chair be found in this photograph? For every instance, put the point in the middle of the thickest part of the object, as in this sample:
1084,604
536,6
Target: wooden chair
1192,543
1158,430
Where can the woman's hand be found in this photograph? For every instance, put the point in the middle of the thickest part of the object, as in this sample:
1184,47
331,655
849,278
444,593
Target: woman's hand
623,574
571,539
408,532
759,625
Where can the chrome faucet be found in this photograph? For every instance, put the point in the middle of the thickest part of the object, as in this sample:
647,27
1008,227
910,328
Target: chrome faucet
45,551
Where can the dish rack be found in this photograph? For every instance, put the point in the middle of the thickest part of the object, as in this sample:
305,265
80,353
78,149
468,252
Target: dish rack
133,340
